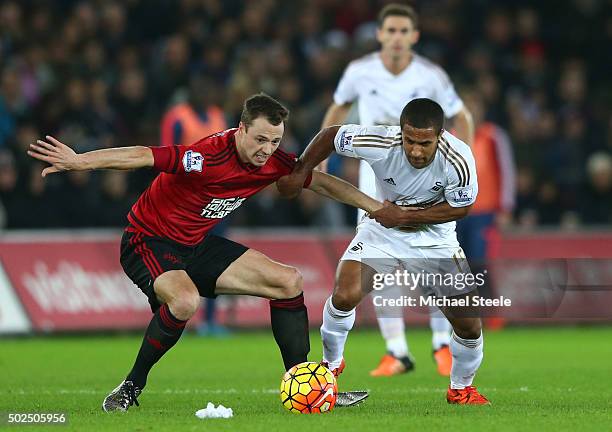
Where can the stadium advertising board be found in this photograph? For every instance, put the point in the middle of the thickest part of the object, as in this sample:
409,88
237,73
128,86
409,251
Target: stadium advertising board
73,285
74,282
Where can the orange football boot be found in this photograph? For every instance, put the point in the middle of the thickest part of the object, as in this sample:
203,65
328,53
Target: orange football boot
336,371
494,323
466,396
390,365
444,360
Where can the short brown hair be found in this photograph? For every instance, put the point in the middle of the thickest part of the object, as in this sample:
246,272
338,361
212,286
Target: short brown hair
397,9
262,105
423,113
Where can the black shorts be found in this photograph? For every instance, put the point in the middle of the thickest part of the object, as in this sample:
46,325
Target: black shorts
144,258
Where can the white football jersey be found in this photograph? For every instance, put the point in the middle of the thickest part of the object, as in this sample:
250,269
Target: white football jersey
381,96
450,177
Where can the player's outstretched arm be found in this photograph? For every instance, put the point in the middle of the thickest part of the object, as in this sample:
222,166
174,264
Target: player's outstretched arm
63,158
319,149
335,115
392,215
342,191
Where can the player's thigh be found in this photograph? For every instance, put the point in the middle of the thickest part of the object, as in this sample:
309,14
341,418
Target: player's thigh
255,274
445,272
363,258
210,259
145,259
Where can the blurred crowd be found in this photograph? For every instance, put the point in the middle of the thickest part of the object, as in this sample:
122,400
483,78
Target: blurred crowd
99,73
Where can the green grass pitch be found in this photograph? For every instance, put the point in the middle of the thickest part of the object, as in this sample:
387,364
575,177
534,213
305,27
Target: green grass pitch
537,379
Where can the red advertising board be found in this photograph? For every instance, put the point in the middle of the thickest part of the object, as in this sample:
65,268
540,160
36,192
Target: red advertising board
73,285
75,282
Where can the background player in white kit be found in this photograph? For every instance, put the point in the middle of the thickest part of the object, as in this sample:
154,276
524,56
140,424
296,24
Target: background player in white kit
433,184
382,83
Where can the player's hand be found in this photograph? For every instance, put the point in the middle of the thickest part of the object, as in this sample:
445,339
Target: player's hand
54,152
392,215
291,185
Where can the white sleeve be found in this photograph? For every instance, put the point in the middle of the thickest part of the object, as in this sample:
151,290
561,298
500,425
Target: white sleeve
446,95
462,186
369,143
346,92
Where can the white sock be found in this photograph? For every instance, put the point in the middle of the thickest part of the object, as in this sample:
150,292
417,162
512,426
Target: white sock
334,331
441,329
467,355
391,323
392,329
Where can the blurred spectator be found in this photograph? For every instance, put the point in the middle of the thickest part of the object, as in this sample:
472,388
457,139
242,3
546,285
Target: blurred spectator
596,197
8,190
549,208
172,72
13,104
496,182
197,117
526,199
131,105
115,198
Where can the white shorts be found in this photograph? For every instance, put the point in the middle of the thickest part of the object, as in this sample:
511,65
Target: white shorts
443,270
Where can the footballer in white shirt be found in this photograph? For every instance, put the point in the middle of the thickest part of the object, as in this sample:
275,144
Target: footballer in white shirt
381,83
428,180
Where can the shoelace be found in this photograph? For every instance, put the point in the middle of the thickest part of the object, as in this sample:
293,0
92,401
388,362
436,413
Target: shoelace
473,393
129,396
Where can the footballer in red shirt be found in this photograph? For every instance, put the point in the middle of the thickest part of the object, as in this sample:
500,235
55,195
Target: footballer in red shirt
167,250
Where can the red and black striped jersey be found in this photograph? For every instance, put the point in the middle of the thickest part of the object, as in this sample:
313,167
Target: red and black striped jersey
199,185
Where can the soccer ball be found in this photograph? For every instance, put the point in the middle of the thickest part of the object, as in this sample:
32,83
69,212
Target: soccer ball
308,388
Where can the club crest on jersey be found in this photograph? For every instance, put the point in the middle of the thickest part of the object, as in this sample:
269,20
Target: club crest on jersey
437,186
358,248
218,208
346,142
193,161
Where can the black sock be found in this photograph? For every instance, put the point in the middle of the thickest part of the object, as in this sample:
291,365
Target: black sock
290,328
163,332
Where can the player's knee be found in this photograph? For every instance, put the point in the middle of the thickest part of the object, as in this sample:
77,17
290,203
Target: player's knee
292,283
185,304
347,293
346,299
469,329
176,289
